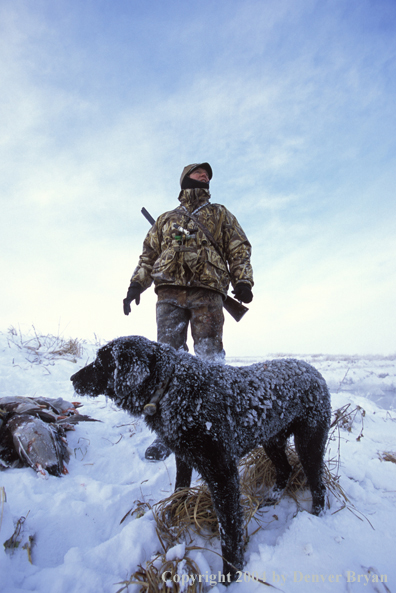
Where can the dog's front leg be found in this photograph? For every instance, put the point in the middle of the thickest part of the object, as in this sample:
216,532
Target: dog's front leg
223,481
183,474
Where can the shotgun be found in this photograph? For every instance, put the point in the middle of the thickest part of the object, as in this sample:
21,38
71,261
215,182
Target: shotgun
232,306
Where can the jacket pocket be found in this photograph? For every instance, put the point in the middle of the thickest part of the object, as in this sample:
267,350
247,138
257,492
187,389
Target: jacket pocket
213,272
164,265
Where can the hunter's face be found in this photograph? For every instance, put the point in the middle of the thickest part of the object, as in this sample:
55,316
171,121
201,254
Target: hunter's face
200,175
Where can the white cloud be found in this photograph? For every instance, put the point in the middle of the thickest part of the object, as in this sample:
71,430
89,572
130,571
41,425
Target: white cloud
293,109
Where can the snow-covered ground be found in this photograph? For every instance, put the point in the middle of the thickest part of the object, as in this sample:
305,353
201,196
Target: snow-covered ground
79,545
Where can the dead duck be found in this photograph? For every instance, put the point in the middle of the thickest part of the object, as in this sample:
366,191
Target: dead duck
33,433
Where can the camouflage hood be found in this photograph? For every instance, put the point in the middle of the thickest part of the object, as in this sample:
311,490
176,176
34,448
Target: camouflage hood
192,199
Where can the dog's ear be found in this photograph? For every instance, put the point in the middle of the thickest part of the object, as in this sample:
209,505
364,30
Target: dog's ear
132,368
104,361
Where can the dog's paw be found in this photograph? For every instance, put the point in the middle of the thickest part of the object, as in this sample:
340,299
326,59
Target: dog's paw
317,510
272,497
157,451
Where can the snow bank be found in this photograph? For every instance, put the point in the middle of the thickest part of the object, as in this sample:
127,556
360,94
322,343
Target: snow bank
78,542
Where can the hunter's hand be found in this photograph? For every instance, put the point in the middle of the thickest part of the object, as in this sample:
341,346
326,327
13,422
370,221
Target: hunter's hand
243,293
133,295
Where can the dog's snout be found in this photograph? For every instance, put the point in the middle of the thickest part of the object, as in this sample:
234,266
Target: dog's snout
76,379
87,381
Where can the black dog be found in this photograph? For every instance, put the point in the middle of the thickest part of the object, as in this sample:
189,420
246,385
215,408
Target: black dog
210,415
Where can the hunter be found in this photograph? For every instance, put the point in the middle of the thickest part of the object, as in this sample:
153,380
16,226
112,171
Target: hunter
190,276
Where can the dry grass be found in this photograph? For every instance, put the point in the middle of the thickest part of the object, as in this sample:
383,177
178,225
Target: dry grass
388,456
191,511
176,577
40,348
345,417
258,474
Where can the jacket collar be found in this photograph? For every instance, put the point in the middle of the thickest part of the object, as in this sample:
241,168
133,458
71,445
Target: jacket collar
192,199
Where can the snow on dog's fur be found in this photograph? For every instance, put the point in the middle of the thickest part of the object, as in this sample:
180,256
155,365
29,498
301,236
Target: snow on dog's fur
210,415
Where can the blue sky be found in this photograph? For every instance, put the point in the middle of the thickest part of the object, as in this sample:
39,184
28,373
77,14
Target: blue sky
293,104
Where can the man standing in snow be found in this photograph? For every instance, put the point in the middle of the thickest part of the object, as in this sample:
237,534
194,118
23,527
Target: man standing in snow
190,275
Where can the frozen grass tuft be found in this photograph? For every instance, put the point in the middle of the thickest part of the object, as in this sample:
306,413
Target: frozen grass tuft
40,348
388,456
177,577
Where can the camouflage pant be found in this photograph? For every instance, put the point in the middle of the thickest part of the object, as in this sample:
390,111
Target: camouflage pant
203,309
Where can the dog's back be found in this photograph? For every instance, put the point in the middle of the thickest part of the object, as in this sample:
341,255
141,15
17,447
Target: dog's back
264,399
247,404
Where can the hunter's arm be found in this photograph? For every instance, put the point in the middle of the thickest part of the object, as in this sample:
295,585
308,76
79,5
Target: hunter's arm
151,252
238,251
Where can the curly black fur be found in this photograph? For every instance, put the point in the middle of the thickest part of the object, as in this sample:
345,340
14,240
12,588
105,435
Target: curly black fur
211,415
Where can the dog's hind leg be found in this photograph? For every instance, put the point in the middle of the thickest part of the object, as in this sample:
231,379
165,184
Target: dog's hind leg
183,474
275,449
310,446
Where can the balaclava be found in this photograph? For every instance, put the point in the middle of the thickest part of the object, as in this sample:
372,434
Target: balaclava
187,183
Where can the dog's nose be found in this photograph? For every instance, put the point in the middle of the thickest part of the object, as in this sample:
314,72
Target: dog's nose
74,378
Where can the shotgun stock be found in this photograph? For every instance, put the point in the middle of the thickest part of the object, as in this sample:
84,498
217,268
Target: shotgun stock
233,307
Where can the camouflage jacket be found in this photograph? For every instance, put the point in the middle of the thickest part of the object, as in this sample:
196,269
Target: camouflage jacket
174,258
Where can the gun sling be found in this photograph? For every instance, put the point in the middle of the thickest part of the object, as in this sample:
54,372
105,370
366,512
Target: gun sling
229,303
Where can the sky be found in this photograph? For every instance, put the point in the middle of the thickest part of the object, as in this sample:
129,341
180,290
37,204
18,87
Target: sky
292,103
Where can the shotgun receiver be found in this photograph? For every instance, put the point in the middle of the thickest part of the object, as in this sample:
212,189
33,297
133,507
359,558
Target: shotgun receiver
232,306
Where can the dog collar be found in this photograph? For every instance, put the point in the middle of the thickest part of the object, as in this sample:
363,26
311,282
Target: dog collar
151,408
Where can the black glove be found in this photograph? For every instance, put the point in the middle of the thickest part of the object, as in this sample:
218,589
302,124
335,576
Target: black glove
243,292
133,294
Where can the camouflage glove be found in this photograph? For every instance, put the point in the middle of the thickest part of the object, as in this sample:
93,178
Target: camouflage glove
133,294
243,292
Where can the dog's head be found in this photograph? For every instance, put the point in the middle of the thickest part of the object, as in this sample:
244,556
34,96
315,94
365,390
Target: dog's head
126,370
98,377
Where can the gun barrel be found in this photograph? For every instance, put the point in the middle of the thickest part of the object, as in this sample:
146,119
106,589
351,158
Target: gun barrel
148,216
